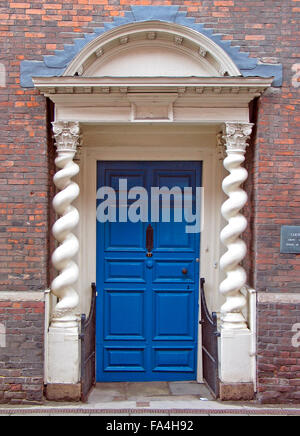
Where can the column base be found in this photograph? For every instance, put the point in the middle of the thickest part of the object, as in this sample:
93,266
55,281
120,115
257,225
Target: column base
63,392
63,356
236,391
235,360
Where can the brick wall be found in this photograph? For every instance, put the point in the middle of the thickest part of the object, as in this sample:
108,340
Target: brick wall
278,363
21,360
268,29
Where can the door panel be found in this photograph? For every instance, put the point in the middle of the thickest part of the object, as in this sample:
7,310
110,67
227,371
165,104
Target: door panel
174,360
170,271
124,360
124,237
172,316
130,322
124,271
147,307
169,237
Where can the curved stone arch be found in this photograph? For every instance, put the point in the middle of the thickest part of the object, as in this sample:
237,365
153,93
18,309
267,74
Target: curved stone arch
57,64
171,37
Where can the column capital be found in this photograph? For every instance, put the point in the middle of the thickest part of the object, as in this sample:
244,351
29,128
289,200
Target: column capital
236,136
67,135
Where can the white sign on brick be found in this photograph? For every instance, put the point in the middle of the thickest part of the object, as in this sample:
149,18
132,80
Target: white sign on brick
2,336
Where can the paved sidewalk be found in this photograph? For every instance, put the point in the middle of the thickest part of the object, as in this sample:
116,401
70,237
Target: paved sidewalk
150,399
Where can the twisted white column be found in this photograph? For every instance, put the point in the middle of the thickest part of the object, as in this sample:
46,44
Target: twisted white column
235,136
67,137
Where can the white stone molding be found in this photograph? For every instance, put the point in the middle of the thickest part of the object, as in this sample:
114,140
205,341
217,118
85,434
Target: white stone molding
205,99
78,155
157,107
80,70
22,296
235,136
178,40
277,298
99,52
151,36
202,52
67,138
124,40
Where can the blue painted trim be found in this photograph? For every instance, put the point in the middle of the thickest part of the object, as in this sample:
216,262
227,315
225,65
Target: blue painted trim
54,65
266,70
28,69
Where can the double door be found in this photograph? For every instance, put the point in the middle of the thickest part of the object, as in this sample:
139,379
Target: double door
147,277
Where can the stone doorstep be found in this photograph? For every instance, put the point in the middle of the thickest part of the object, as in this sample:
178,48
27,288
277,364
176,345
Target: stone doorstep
148,391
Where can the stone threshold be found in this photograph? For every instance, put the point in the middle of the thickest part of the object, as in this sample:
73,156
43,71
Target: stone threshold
151,411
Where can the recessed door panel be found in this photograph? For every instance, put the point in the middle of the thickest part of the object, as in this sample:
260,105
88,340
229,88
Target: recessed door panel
174,271
172,316
174,360
171,237
126,359
124,270
130,322
124,237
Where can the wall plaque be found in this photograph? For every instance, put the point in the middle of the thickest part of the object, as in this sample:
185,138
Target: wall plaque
290,239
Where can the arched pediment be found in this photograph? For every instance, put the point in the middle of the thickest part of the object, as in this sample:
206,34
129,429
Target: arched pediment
152,49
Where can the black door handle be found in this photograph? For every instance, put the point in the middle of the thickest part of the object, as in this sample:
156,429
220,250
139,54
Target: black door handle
149,240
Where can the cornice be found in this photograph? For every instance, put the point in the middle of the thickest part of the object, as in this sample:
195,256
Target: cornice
181,85
152,98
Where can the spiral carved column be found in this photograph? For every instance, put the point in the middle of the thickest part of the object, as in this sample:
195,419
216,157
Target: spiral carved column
235,136
67,137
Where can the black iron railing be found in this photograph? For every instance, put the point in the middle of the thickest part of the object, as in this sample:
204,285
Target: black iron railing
88,349
210,336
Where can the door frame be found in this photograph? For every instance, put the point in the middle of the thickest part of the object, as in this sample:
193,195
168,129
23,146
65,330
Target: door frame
212,176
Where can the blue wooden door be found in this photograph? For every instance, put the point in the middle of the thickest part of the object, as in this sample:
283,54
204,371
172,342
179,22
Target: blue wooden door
147,307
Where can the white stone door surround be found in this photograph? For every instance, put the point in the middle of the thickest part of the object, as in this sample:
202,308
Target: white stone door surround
94,92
